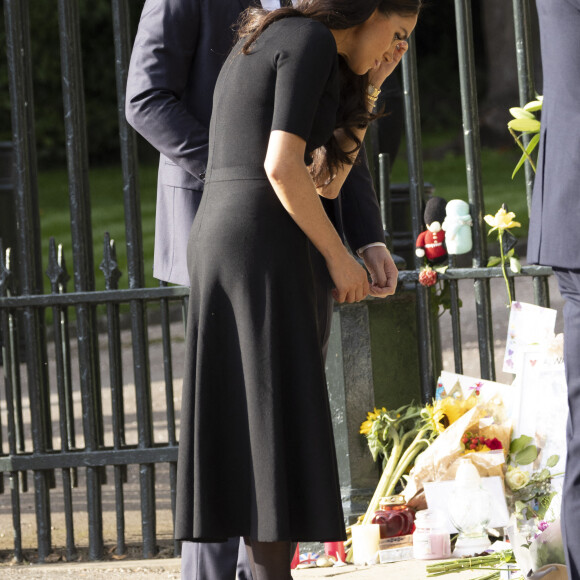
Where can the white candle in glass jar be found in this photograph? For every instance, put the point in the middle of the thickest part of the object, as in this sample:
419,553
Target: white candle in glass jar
365,544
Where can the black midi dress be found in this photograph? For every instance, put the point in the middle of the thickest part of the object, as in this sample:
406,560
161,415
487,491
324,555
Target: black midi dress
256,452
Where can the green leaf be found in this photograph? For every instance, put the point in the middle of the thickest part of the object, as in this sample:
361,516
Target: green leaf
441,269
515,265
525,125
519,113
375,449
544,474
520,505
527,455
526,154
493,261
519,164
533,142
385,433
553,460
519,443
544,504
533,106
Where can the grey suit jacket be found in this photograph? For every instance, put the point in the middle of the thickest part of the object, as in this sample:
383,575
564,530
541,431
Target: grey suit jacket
554,236
179,50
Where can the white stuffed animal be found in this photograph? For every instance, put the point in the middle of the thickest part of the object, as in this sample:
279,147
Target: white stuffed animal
457,227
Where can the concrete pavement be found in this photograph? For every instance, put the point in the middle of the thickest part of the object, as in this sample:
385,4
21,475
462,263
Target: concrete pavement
170,569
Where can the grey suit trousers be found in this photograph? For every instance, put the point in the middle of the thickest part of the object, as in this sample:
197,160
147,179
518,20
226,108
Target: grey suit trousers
569,282
215,561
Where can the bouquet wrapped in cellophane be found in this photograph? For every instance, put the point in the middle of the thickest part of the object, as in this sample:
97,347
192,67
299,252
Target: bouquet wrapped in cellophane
481,434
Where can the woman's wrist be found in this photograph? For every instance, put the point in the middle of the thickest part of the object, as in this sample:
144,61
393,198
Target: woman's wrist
334,253
372,95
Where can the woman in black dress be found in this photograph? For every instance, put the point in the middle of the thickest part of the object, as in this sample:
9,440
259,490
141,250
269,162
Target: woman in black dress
256,454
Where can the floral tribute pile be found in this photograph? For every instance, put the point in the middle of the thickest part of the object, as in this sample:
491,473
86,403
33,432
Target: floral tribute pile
479,421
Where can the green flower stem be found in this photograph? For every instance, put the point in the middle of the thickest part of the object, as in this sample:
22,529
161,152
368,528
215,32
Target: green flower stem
496,572
503,270
385,479
419,444
478,562
397,464
395,468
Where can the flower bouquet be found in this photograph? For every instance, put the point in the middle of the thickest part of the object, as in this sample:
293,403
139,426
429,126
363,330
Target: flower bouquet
547,547
467,437
530,492
396,437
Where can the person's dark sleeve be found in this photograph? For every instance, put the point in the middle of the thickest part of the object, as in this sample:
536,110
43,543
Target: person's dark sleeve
158,73
361,215
305,65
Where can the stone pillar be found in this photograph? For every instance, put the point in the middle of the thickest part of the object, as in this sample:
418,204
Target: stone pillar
351,394
373,360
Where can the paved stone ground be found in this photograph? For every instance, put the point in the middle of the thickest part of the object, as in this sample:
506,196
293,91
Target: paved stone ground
168,568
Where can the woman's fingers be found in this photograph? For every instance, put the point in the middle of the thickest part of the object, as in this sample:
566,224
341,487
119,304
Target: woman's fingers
354,292
350,279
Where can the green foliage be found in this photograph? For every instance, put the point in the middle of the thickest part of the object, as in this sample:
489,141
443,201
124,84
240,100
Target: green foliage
519,443
106,187
530,492
524,121
438,65
98,60
527,455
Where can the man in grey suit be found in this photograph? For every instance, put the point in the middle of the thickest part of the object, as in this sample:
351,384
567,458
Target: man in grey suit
179,50
554,236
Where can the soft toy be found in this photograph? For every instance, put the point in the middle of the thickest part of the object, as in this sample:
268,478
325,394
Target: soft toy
457,227
431,243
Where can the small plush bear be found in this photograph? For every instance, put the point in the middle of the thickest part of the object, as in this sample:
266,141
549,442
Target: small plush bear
431,243
457,227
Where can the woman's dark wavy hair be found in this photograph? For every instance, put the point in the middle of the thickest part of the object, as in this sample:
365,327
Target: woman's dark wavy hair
336,15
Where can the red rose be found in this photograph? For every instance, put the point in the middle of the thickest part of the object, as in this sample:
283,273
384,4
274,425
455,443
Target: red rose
427,277
494,443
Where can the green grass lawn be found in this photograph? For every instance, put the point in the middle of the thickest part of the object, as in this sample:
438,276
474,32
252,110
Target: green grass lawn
447,174
106,187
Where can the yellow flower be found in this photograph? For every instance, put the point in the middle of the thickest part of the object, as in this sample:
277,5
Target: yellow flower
366,427
446,411
502,220
372,416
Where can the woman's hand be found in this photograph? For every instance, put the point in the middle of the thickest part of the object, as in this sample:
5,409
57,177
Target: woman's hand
389,63
350,279
383,271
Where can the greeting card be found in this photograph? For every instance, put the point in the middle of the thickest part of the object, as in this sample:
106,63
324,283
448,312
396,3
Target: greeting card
530,328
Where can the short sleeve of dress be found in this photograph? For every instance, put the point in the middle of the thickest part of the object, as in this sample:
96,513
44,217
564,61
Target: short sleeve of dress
306,68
